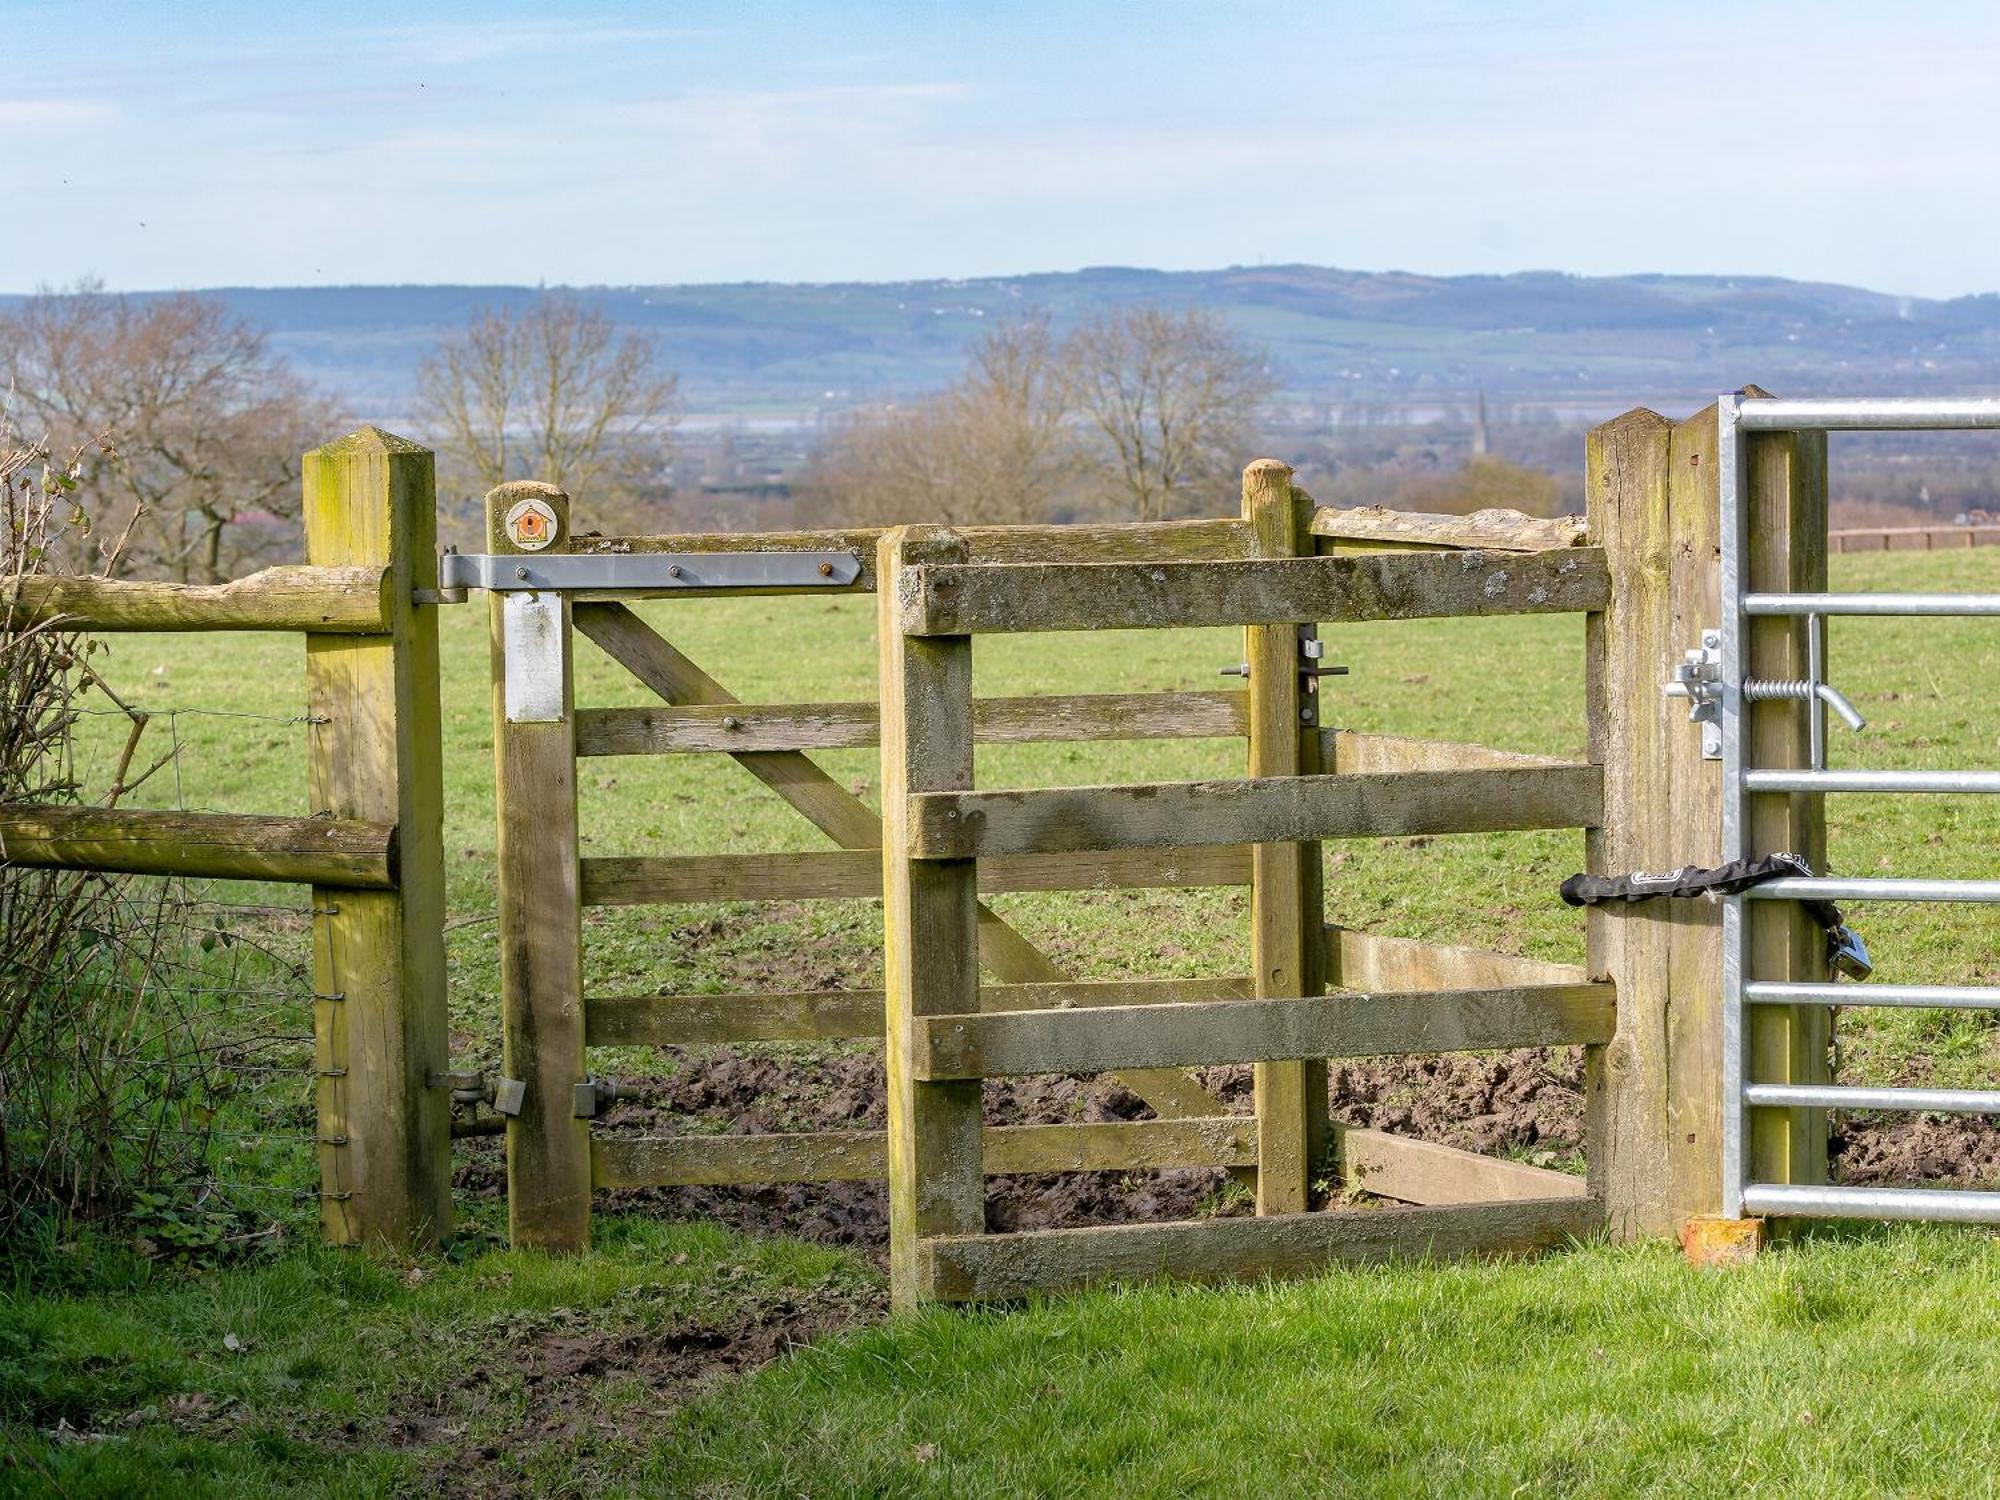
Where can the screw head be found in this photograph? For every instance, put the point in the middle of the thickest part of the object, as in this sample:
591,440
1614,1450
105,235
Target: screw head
673,570
826,570
522,574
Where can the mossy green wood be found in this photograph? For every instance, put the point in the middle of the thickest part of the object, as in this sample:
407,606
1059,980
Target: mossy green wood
1287,909
213,846
930,924
375,754
323,600
541,925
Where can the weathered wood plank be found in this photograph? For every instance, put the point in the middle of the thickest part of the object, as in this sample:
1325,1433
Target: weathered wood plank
847,820
346,599
1350,754
375,752
811,1015
1287,908
860,1155
1001,1267
1484,530
930,924
964,825
219,846
1412,1171
1240,1031
974,600
761,727
1653,1146
1115,541
1785,510
844,875
1371,961
541,928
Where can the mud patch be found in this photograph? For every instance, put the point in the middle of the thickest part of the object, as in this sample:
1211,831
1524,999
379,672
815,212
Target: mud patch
592,1395
1915,1151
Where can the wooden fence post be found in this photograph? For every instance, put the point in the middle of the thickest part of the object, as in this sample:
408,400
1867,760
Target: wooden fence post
379,1018
1786,508
930,921
1287,921
1654,1095
541,912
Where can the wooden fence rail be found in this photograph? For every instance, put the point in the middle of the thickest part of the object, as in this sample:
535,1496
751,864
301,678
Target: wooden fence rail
217,846
322,600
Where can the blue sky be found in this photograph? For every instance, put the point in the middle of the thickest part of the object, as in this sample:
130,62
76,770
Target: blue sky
165,144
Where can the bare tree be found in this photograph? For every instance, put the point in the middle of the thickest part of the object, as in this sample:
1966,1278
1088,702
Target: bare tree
1172,397
995,448
555,393
191,427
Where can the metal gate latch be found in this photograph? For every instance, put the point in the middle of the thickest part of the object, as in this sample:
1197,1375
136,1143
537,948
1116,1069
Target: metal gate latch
1699,680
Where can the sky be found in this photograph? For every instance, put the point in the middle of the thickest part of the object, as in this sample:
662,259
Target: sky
167,144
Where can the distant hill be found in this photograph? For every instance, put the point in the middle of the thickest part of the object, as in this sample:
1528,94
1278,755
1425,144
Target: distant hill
1352,340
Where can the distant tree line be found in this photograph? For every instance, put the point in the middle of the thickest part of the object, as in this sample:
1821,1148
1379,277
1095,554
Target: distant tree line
1139,414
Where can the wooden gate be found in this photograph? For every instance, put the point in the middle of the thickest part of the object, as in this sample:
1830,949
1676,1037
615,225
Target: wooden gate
546,882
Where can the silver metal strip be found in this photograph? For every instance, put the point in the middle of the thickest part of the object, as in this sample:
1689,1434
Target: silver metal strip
1846,1096
1869,414
1731,481
1861,888
533,638
647,570
1916,996
1872,781
1938,1205
1872,604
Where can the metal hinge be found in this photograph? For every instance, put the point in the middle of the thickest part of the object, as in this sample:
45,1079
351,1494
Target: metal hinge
637,572
1699,680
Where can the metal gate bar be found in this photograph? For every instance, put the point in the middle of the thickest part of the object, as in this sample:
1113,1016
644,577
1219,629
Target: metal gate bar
1736,415
1924,996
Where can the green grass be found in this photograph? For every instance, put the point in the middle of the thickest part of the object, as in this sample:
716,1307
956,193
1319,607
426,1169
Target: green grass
1846,1364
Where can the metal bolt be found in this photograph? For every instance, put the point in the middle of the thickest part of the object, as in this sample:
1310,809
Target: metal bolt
826,570
522,574
1305,716
673,570
730,721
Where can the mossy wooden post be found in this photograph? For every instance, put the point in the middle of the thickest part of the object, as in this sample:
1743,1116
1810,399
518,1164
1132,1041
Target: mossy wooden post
930,921
541,915
379,1019
1786,510
1286,945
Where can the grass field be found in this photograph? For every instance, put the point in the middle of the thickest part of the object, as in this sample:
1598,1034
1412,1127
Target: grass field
1850,1365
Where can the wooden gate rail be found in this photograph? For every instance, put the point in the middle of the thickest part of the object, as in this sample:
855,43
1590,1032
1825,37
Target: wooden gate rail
984,1044
1172,814
843,726
843,875
1006,1267
962,599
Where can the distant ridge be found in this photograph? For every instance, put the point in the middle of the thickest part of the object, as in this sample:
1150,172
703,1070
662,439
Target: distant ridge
1376,338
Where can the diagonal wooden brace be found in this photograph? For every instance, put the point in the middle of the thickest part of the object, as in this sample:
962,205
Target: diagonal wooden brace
850,823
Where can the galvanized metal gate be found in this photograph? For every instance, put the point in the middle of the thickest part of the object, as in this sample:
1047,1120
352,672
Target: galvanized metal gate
1734,690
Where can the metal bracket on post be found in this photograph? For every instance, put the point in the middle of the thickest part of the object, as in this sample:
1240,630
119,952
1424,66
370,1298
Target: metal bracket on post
593,1095
1312,654
509,1094
1698,679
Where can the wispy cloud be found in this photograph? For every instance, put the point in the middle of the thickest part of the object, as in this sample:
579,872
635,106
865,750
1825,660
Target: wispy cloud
53,114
